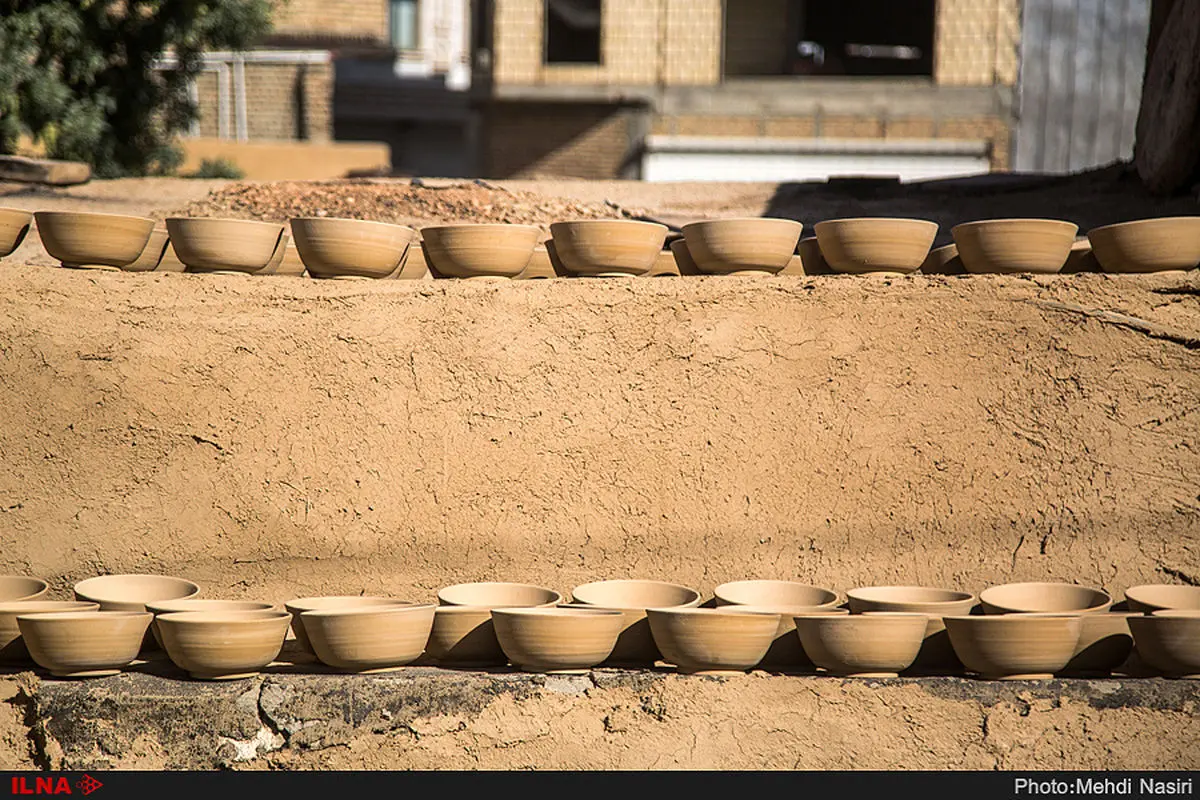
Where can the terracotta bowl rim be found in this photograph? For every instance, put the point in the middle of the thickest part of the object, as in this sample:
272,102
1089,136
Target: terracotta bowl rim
342,220
1062,224
1107,598
89,594
695,599
44,585
857,594
361,611
556,611
916,222
479,226
596,223
154,605
556,598
15,607
225,617
1138,222
85,615
258,223
292,605
1173,613
98,216
1037,616
696,224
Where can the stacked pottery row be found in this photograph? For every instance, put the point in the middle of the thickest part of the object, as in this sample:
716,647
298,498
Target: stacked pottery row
1023,630
363,249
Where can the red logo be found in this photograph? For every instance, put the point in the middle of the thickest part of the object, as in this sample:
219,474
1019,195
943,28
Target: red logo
52,785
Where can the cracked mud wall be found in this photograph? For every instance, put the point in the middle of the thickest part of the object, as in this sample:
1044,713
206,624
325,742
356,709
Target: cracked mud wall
277,438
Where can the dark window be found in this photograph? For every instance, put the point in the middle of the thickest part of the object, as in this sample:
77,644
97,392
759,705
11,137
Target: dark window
863,37
573,31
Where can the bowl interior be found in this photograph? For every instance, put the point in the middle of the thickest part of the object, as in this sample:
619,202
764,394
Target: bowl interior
773,592
1026,597
302,604
635,594
493,594
908,595
21,587
134,588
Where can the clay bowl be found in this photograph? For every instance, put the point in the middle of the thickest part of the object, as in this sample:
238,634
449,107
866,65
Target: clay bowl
371,639
192,604
14,227
300,605
795,266
775,593
1081,258
556,639
12,646
291,265
635,646
664,266
1169,641
479,251
785,653
93,240
223,645
1014,245
152,255
943,261
465,636
332,248
539,266
755,245
712,640
1162,597
415,267
275,265
811,259
133,592
1148,245
683,259
936,652
1105,643
1020,598
864,245
170,262
497,595
1015,646
876,645
608,247
84,644
226,245
14,588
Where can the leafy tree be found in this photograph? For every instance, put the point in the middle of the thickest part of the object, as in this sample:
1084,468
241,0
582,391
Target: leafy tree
76,74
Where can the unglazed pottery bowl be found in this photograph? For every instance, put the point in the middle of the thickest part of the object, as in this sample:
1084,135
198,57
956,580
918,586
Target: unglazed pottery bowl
877,645
298,606
775,593
498,594
608,247
369,639
93,240
859,246
291,265
1148,245
785,653
539,266
1018,598
152,255
1169,641
14,588
479,250
1161,597
1009,246
465,636
683,259
811,259
12,646
415,267
133,592
635,646
943,261
664,266
750,245
1081,258
1015,646
226,245
936,652
84,644
14,227
712,640
192,604
556,639
1105,643
223,645
332,248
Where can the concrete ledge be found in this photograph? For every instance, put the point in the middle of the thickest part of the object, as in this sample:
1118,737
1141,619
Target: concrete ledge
429,718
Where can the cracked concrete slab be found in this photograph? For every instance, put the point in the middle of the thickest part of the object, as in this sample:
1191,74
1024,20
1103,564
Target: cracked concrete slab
429,718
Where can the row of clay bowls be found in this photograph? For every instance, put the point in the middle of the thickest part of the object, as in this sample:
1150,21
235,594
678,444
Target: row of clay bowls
361,249
1025,630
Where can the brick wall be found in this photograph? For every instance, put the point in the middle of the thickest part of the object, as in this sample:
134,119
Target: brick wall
976,42
283,102
568,139
365,20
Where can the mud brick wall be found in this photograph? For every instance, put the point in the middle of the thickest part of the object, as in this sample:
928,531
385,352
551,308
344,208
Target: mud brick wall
569,139
283,102
350,19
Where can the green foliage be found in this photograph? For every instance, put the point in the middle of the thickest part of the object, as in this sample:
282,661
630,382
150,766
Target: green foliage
218,168
76,74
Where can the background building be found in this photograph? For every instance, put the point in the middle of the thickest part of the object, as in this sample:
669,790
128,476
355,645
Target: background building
695,89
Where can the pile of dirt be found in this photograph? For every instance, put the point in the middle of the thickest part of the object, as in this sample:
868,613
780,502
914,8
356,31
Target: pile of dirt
403,202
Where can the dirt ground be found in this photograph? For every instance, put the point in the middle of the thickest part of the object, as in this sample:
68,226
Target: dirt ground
278,437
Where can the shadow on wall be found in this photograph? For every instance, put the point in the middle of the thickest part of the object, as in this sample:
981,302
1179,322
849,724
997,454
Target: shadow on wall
573,140
1089,199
